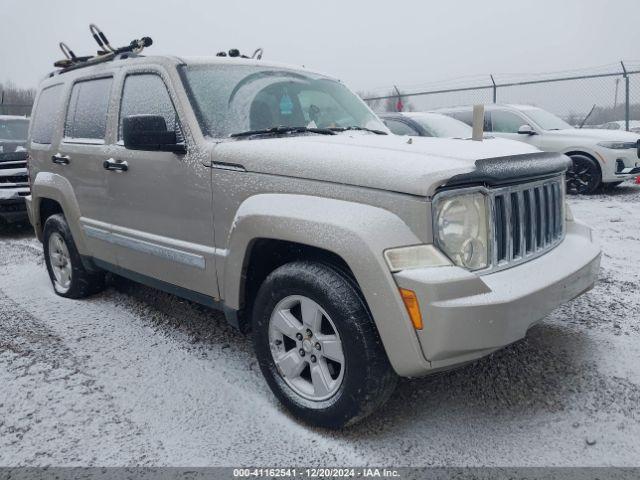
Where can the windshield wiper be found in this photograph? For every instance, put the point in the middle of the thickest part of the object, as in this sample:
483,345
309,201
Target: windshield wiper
344,129
281,130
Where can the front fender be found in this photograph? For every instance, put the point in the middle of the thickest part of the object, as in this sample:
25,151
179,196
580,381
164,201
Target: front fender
358,233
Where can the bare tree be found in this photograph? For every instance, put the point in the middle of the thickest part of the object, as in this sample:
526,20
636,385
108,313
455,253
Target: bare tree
15,100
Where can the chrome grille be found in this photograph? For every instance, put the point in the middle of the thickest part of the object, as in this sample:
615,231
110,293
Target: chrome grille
13,173
528,220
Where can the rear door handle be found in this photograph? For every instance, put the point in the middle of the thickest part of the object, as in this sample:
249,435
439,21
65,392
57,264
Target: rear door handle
60,159
115,165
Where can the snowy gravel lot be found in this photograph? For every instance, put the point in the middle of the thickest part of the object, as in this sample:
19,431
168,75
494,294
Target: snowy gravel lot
135,376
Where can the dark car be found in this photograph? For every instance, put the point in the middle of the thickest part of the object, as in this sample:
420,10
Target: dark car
422,124
14,180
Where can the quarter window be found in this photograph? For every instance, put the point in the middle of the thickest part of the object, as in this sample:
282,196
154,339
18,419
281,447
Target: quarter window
87,112
47,114
505,122
146,94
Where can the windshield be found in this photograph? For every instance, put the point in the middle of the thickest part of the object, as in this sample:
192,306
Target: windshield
546,120
232,99
442,126
14,129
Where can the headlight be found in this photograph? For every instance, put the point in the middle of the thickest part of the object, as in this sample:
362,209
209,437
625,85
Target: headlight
461,229
618,145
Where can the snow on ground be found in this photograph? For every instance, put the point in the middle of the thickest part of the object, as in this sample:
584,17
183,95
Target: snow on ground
134,376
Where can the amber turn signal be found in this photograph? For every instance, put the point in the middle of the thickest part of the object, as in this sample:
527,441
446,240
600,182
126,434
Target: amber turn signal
413,307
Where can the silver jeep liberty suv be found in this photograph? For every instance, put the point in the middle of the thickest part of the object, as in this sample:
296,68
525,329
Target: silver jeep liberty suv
274,194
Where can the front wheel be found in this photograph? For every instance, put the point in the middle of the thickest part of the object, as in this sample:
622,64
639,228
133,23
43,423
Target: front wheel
584,176
318,347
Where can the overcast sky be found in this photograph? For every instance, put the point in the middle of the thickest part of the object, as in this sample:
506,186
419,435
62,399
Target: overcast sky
368,44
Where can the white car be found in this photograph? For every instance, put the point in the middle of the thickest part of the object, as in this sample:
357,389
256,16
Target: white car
634,125
599,156
423,124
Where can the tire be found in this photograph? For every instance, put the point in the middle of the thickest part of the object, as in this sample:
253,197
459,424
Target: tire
322,392
584,176
68,275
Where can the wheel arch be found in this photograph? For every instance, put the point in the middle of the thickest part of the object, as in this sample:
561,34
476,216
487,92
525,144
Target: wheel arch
592,155
348,235
51,194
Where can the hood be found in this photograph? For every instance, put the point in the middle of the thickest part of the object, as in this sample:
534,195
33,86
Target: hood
8,149
413,165
596,134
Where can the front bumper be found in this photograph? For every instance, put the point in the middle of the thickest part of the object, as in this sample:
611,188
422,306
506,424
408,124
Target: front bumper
620,165
467,316
13,210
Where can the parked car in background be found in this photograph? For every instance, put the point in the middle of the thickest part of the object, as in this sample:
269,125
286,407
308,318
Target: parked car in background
424,124
14,182
634,125
276,195
600,157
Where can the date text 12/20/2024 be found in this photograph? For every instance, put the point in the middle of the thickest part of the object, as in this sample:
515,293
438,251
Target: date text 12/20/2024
316,472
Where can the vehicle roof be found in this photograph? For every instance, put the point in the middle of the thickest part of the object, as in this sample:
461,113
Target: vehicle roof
489,106
409,114
169,60
623,122
14,117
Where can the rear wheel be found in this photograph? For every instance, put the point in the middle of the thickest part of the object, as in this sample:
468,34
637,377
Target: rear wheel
68,275
584,176
318,347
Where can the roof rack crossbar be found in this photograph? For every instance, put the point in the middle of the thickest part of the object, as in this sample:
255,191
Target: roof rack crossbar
106,52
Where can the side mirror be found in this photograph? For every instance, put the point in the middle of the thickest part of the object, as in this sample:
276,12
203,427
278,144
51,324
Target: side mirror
526,130
149,132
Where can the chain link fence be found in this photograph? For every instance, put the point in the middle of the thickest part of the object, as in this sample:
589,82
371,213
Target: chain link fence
610,94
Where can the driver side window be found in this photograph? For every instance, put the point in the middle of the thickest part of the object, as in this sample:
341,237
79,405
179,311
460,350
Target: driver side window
146,94
506,122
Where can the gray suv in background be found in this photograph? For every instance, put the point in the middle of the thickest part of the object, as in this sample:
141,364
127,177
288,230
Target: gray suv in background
274,194
14,182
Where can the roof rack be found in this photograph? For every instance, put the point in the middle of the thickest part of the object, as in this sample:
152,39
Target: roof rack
235,53
105,54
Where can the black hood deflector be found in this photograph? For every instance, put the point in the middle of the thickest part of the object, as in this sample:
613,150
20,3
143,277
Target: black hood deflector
512,169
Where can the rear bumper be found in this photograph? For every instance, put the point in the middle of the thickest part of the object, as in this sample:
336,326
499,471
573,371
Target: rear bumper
467,316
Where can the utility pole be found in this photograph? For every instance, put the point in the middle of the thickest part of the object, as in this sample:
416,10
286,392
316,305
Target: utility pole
399,104
626,95
495,90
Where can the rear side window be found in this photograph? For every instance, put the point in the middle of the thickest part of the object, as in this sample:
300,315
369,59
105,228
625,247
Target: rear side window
87,112
146,94
46,114
464,116
400,128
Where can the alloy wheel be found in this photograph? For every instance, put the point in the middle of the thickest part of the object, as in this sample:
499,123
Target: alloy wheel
306,348
60,261
581,176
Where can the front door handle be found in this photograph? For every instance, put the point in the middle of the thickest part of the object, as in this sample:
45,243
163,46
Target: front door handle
60,159
115,165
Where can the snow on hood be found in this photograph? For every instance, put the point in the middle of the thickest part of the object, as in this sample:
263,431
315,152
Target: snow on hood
386,162
596,134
